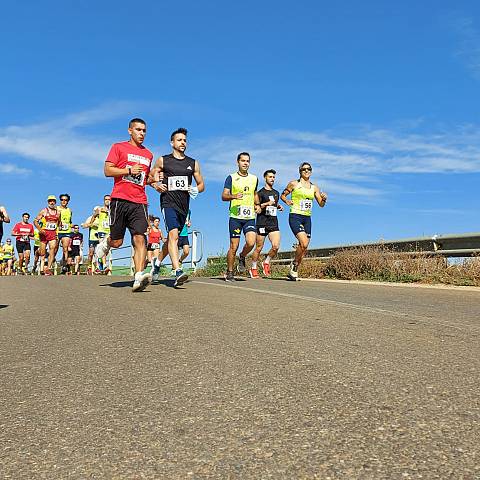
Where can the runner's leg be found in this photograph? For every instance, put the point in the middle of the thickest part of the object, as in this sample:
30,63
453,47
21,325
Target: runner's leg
274,238
232,252
302,247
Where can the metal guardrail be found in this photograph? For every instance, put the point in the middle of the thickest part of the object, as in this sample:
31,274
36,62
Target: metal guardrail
450,245
194,258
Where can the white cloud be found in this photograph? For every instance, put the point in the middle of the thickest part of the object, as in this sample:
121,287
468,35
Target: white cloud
349,163
468,49
64,142
10,168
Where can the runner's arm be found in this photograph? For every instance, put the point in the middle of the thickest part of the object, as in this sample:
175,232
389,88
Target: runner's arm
258,205
37,220
110,170
287,191
4,213
198,177
156,176
320,197
88,222
227,191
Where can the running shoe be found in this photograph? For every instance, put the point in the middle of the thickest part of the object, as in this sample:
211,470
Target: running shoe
293,273
180,278
89,271
229,277
47,272
156,271
102,248
266,269
242,268
101,266
141,281
253,273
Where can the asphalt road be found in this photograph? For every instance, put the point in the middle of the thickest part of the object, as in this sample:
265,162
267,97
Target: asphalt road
261,379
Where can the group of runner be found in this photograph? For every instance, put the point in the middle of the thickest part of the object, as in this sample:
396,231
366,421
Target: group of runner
252,211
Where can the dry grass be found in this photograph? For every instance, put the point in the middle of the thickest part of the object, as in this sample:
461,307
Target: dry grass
381,264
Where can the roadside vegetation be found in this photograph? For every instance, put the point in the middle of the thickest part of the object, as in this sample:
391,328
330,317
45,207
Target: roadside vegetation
377,264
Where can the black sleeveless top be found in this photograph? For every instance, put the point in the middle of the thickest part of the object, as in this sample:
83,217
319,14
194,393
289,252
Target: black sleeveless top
178,175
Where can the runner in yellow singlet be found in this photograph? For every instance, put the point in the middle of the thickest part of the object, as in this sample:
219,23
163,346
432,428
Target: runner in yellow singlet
8,256
103,228
64,230
36,250
92,225
302,192
1,258
240,189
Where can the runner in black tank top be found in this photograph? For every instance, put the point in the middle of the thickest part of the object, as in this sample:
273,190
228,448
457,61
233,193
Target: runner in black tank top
177,175
172,177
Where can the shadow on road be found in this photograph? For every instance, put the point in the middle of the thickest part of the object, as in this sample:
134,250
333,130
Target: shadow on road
118,284
221,279
167,282
3,306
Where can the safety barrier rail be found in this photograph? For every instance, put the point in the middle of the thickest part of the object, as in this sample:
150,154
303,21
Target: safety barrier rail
194,258
450,245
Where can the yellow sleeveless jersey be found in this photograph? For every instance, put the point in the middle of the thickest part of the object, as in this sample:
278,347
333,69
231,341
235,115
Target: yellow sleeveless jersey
7,252
65,220
103,222
244,208
302,198
93,231
36,237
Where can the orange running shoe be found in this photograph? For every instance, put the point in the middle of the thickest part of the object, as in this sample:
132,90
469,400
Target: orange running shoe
253,273
266,269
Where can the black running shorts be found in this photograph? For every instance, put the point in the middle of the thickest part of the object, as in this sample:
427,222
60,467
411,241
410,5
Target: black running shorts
125,214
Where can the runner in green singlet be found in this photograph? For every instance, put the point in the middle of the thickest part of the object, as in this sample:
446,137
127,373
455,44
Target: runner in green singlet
302,192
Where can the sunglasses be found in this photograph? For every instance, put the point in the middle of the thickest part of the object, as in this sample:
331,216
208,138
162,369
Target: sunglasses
307,169
51,201
64,199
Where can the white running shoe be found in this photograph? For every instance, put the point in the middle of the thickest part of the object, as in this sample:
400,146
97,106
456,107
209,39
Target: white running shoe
156,271
102,248
141,281
293,273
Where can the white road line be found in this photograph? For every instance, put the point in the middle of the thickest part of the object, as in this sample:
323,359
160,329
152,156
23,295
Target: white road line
353,306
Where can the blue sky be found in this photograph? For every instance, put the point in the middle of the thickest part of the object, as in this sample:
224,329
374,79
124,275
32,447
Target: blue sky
381,98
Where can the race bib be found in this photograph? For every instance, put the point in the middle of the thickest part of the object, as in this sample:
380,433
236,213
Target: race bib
245,211
271,210
155,246
64,226
76,242
25,238
106,224
306,205
50,226
137,179
178,183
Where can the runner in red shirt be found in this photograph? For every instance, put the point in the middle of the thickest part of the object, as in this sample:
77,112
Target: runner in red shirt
50,218
129,164
23,232
154,238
